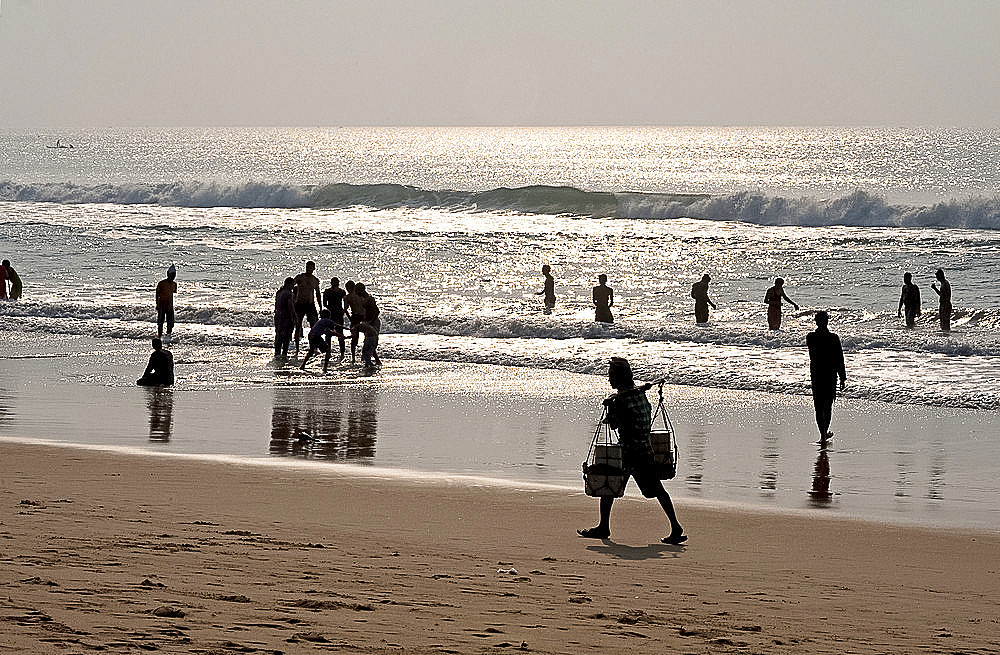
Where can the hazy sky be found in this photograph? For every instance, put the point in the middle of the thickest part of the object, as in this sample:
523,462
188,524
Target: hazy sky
68,63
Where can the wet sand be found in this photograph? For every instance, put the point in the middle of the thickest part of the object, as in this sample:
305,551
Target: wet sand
122,553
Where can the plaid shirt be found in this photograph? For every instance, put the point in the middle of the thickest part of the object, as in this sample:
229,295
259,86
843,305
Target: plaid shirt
629,413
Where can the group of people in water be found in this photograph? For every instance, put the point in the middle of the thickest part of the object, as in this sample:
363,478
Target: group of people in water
331,312
603,298
10,282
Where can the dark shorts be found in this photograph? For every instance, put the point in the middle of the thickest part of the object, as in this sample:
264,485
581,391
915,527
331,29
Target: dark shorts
644,474
308,310
319,343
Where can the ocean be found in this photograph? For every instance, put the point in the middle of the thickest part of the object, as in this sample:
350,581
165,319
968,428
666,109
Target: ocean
449,227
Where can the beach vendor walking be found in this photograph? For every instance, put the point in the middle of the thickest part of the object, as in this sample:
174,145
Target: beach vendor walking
826,364
629,412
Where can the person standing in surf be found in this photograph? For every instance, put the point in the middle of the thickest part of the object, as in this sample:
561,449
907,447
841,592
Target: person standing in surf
307,298
333,300
548,289
909,301
604,300
354,305
826,364
14,279
944,296
629,412
773,299
699,291
165,291
284,319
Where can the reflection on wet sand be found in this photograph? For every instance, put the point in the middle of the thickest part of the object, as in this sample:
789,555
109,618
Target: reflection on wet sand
323,422
820,494
160,401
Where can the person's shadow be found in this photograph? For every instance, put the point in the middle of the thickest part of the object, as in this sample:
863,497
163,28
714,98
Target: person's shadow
637,553
160,401
820,494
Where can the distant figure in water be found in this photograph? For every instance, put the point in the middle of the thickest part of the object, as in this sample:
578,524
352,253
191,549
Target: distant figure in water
773,299
165,291
944,294
284,319
319,339
604,300
3,282
826,364
548,290
699,291
333,300
13,278
909,301
629,413
160,370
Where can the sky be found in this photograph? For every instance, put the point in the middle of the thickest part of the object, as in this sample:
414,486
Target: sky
110,63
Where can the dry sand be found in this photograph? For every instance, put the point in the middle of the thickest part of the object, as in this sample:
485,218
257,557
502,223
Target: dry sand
126,553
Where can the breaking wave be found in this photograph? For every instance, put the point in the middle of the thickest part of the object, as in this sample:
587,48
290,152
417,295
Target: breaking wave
859,209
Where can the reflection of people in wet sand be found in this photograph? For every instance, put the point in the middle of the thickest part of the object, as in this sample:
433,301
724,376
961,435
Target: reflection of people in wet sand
321,422
629,412
548,289
319,339
826,364
333,300
307,298
604,300
773,299
12,277
909,301
160,370
284,319
165,291
820,492
699,291
944,294
160,402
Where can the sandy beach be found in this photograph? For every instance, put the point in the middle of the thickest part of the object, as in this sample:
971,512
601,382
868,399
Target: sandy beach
129,553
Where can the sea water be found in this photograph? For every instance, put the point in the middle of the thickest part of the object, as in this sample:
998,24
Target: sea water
448,228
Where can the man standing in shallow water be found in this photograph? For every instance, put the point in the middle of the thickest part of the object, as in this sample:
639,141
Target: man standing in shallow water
699,291
826,364
306,290
944,294
909,301
773,299
165,291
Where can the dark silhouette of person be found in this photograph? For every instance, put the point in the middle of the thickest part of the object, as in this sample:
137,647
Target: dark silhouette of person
773,299
826,364
629,412
333,300
307,299
13,278
165,291
371,327
699,291
160,370
944,295
548,289
284,319
909,301
319,338
604,300
354,304
3,283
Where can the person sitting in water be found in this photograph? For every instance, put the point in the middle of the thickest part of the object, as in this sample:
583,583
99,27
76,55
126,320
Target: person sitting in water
319,338
160,370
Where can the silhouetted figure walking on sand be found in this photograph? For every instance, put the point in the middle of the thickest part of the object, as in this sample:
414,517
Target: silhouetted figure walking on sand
13,278
165,291
773,299
160,370
548,289
604,300
909,301
699,291
826,364
284,319
629,413
944,294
